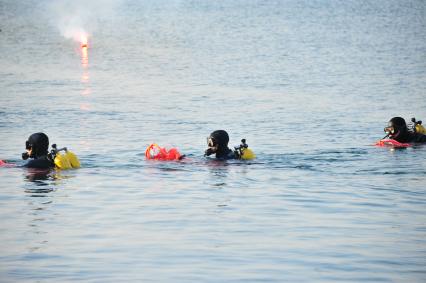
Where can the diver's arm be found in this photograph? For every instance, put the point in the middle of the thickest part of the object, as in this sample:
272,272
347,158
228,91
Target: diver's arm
208,152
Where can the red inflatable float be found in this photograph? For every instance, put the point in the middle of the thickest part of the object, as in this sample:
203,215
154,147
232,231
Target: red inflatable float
155,152
391,143
4,164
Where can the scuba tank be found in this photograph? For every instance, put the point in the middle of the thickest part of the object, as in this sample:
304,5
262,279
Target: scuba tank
243,152
66,160
417,126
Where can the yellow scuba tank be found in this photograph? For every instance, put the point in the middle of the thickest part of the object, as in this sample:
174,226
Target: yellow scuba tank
418,127
72,158
61,161
244,152
68,160
248,154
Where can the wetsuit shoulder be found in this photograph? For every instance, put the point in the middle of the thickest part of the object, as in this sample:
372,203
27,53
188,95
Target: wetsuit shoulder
41,163
232,155
226,154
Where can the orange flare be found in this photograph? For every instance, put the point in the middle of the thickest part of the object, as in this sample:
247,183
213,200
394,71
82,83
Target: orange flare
83,41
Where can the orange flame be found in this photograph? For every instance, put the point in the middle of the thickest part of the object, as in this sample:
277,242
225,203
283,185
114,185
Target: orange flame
83,41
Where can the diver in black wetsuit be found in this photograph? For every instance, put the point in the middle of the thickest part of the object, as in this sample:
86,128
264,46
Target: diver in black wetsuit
397,130
37,147
217,144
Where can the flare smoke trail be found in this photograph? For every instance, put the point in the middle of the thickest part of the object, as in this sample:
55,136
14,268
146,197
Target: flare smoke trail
77,19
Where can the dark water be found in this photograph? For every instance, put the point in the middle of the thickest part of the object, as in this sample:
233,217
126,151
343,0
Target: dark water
309,84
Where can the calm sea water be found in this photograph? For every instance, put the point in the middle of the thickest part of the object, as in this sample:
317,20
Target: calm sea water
309,84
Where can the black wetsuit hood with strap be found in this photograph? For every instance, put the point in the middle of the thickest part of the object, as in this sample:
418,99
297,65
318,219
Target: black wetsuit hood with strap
39,143
402,134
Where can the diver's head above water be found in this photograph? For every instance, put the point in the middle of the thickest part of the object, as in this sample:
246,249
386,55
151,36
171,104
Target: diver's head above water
36,146
217,144
397,129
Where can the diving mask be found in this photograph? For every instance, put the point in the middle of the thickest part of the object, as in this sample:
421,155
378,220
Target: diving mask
212,146
211,142
390,130
28,147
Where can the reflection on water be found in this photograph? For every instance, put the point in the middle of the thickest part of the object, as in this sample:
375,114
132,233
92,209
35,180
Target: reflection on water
84,57
42,178
85,78
39,188
39,192
86,91
218,171
38,215
37,176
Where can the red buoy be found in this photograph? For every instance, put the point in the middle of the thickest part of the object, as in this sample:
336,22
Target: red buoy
391,143
154,151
